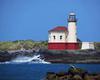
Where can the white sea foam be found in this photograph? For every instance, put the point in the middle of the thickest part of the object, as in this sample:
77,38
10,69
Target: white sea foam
25,59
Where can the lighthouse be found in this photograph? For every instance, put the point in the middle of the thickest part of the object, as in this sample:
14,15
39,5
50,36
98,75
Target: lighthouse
72,36
63,37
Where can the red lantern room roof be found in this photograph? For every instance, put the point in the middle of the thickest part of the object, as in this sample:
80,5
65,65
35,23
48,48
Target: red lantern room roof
58,28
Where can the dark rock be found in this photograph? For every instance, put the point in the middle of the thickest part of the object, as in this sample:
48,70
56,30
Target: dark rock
69,76
5,56
9,55
71,56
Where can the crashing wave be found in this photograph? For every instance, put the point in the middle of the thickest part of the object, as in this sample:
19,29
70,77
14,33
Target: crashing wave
25,59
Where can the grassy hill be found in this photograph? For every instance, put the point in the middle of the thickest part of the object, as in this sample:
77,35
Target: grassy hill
25,44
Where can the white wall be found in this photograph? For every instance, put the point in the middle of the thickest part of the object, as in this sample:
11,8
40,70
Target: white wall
72,34
57,37
87,45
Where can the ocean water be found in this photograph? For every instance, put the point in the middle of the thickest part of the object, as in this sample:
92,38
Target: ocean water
36,71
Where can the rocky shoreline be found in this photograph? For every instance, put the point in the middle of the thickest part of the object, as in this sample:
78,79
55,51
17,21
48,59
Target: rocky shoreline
73,73
9,55
71,56
55,56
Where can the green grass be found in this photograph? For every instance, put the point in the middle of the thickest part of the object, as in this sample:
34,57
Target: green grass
18,44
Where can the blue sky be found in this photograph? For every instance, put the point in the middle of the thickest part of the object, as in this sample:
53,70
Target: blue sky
31,19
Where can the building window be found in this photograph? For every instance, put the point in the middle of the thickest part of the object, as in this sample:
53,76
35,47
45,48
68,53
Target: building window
54,37
60,37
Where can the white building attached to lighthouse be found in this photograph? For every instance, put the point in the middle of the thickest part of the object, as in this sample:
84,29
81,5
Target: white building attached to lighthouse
62,37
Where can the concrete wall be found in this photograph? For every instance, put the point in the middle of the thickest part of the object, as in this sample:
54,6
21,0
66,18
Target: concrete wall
87,45
63,46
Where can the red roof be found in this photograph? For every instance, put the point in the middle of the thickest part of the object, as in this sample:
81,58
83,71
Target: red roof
59,28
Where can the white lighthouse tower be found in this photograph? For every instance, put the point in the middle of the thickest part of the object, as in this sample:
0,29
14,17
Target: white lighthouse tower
72,36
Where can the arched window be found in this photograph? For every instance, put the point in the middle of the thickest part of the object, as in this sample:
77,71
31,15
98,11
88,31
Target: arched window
60,37
54,37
